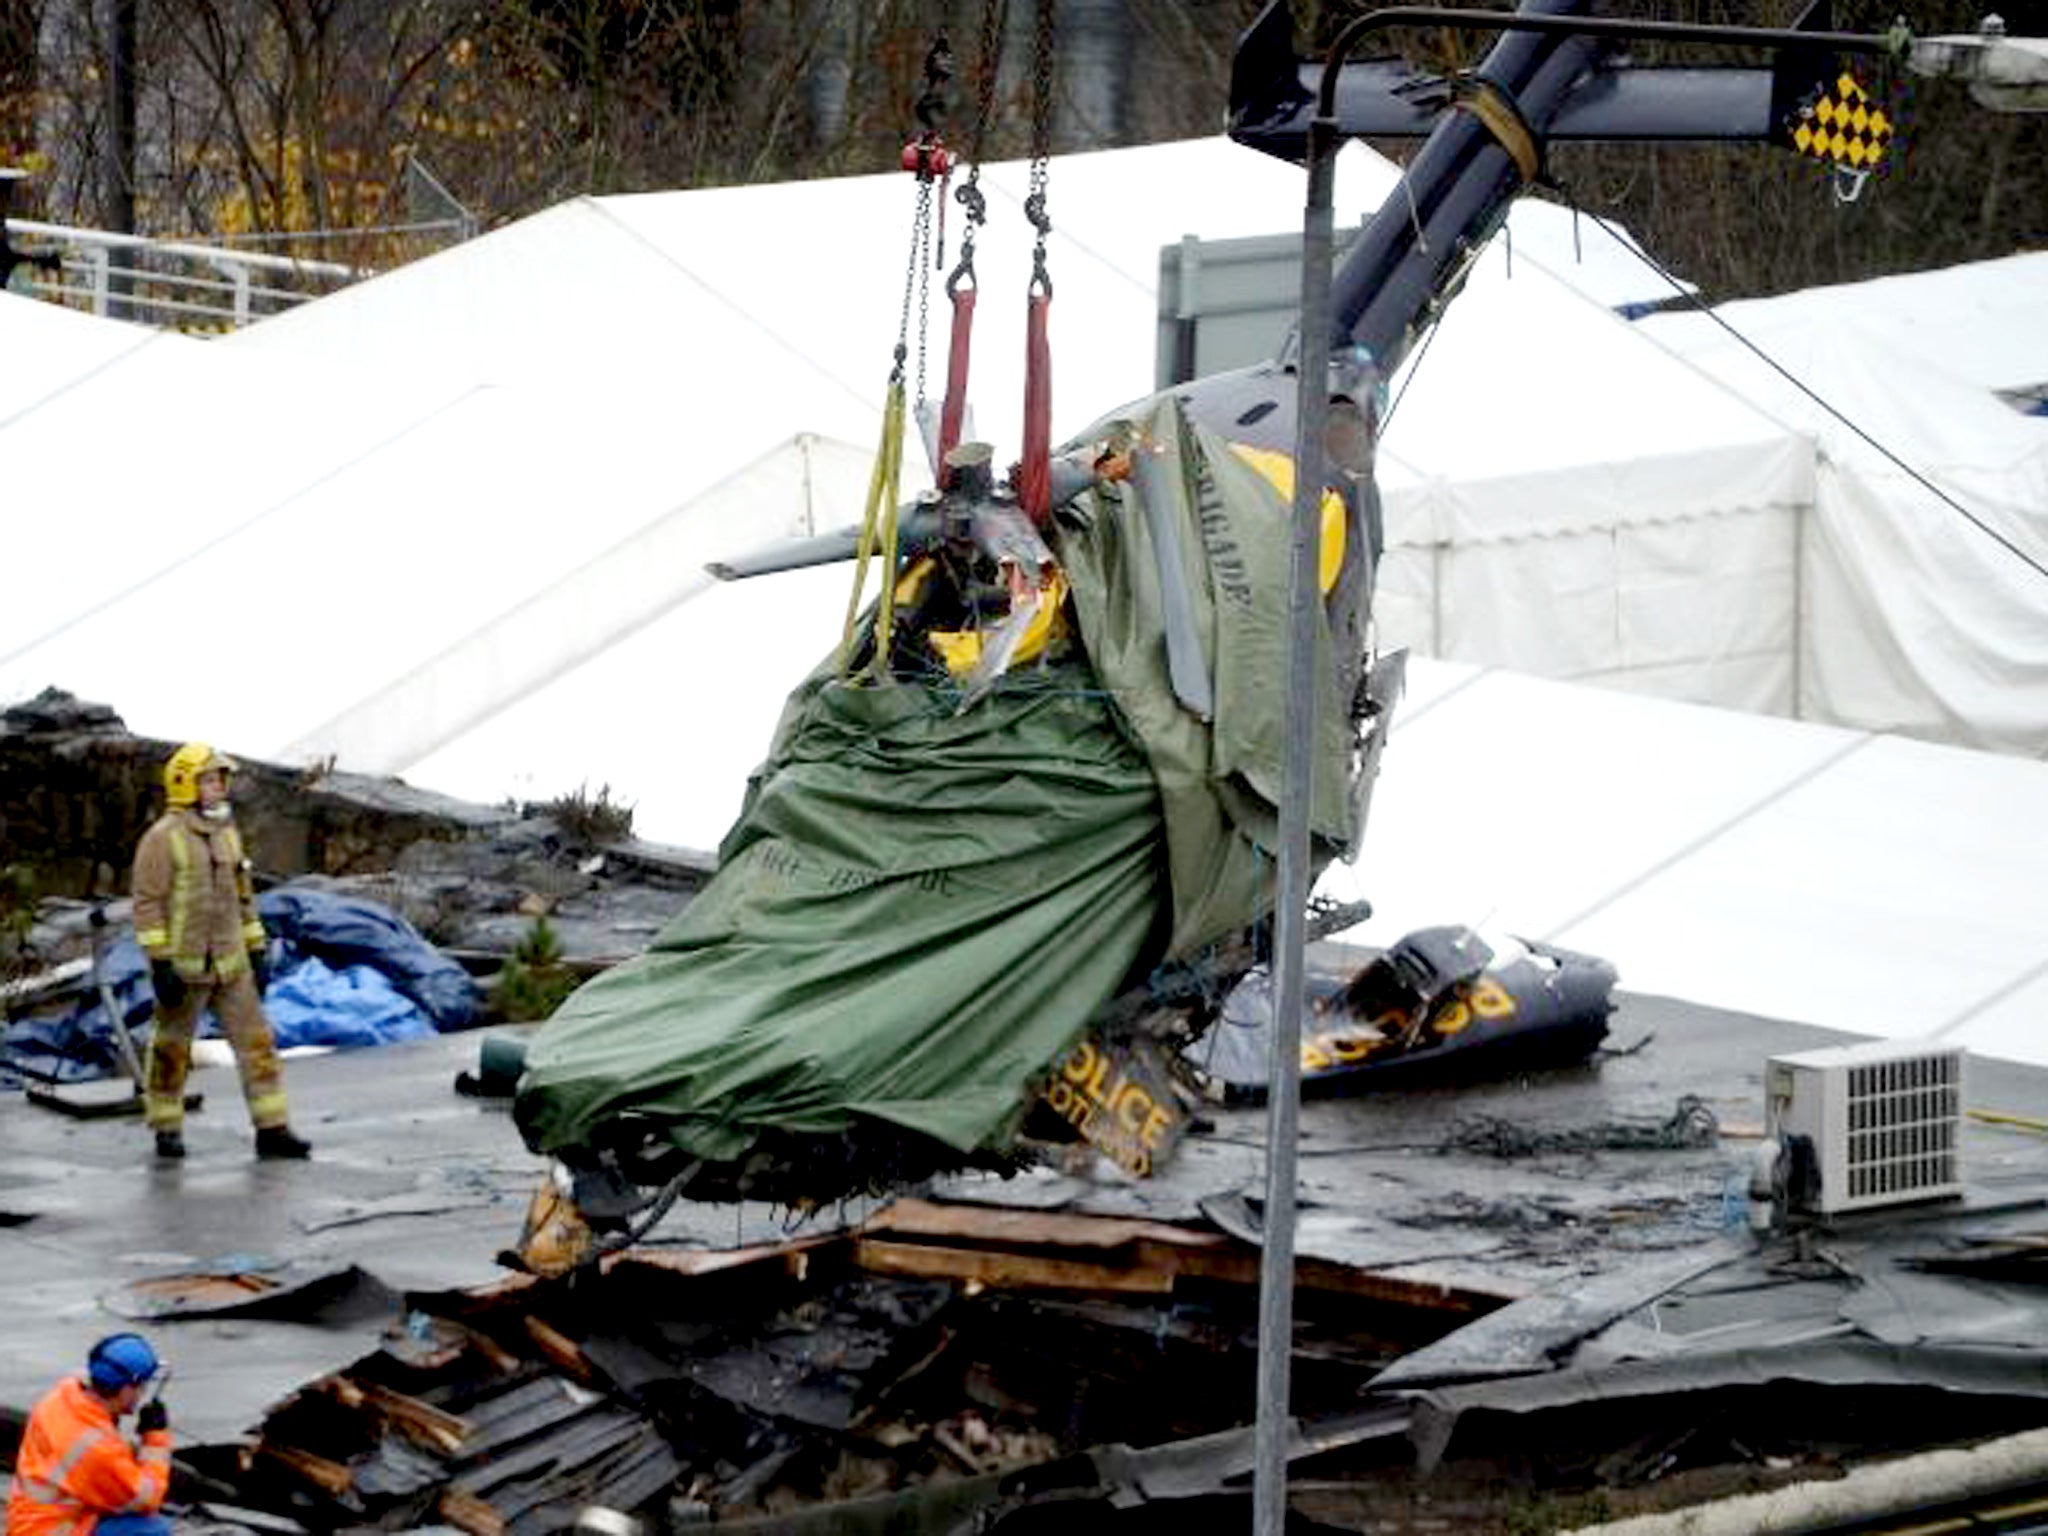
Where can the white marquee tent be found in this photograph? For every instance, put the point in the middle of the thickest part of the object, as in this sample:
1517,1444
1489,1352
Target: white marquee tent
1500,475
462,511
1863,882
1909,617
478,449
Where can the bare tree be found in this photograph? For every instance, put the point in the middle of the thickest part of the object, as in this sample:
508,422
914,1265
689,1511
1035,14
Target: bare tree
20,25
264,116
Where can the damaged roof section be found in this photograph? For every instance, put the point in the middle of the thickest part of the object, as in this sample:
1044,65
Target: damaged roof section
1528,1286
941,1358
928,1355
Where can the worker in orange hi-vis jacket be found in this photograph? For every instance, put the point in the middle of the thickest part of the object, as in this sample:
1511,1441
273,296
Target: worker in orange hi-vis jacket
195,917
77,1475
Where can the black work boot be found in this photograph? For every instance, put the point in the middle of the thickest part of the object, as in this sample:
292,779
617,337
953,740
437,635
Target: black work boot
278,1141
170,1145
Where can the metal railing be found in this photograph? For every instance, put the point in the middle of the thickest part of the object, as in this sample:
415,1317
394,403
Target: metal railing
175,283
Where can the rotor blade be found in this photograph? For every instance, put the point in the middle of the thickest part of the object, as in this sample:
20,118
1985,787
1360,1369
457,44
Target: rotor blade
1185,665
917,526
790,555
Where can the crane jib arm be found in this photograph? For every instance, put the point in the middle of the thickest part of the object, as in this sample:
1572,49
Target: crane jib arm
1548,77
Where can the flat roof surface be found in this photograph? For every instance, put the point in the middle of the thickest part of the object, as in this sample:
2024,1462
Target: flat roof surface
420,1188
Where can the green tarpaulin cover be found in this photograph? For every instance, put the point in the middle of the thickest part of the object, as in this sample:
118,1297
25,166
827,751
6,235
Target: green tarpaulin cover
920,906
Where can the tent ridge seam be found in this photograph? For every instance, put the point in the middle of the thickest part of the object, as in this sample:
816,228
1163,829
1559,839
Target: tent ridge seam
1713,834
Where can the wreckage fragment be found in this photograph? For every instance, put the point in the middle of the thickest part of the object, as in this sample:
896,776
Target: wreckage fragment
1440,1001
937,1357
929,892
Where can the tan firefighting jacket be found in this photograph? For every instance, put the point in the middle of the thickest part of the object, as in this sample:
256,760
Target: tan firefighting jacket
194,905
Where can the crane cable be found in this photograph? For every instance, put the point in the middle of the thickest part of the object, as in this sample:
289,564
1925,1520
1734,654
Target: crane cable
1692,298
927,158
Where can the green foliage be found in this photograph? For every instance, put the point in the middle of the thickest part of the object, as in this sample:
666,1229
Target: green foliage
1543,1513
535,979
585,817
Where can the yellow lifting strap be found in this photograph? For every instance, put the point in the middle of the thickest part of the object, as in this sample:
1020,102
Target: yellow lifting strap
1500,116
878,535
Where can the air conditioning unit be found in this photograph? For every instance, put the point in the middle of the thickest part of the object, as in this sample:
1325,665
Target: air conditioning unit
1868,1125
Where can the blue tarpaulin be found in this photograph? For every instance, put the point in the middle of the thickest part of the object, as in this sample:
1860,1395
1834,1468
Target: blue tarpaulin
348,930
315,1004
344,971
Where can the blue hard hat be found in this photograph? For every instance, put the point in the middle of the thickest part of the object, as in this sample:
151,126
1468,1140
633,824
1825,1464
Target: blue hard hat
121,1360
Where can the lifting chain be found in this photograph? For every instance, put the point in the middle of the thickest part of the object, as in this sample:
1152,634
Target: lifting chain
1041,142
926,157
970,196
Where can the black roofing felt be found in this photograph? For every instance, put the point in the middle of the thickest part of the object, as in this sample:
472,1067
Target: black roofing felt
419,1188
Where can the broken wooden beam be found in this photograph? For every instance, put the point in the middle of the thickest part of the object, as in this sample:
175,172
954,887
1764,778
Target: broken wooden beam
1006,1268
430,1428
467,1512
560,1351
331,1477
1068,1251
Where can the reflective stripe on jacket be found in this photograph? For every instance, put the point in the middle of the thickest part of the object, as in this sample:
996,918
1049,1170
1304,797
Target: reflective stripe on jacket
75,1467
194,905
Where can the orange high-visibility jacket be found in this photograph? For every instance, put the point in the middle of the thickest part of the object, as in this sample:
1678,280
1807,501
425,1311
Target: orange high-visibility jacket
75,1466
194,905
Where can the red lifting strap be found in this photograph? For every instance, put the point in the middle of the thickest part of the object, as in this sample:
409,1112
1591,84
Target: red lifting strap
955,410
1034,475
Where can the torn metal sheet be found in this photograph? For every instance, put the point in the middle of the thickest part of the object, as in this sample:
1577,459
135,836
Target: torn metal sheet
301,1289
607,1455
1531,1335
1115,1476
1897,1305
1843,1362
1118,1094
822,1362
515,1451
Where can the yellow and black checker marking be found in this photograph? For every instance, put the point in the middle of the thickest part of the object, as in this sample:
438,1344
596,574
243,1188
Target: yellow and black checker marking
1841,126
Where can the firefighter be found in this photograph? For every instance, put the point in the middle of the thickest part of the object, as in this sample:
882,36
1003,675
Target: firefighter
195,917
76,1474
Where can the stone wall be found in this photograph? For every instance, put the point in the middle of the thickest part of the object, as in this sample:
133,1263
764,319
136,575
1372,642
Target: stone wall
77,791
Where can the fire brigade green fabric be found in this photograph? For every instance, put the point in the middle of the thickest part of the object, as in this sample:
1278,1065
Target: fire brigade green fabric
1220,781
920,908
915,913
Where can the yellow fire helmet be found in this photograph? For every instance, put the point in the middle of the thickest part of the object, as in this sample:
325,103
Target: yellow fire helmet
182,771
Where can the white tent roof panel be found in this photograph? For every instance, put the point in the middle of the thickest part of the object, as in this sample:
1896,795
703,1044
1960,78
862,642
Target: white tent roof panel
595,612
1924,593
140,478
50,349
1870,884
1527,803
1926,860
671,720
573,299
